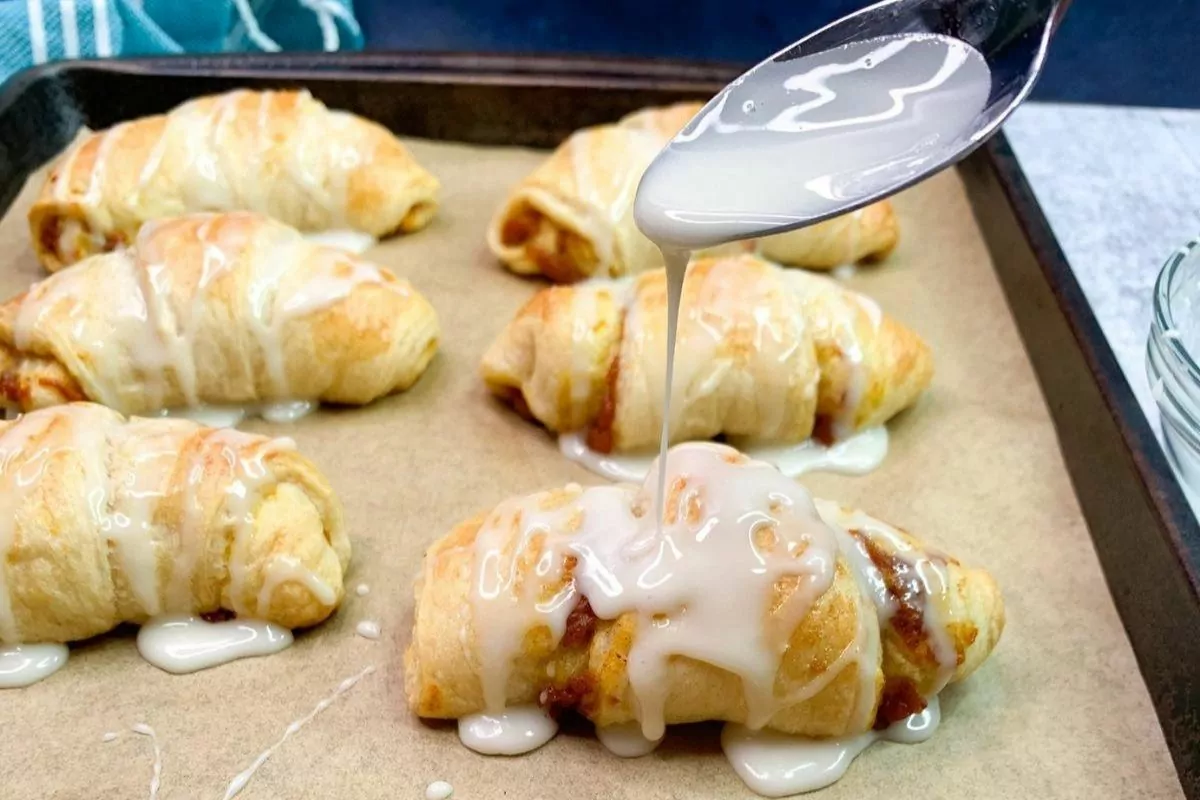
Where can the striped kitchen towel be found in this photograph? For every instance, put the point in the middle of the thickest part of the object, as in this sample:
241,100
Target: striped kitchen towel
37,31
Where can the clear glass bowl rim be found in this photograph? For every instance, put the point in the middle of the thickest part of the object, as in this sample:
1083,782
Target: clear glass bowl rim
1164,315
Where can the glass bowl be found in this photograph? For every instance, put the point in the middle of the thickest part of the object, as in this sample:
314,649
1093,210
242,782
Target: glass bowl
1173,362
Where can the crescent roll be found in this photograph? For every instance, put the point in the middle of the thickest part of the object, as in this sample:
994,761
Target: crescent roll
110,520
572,217
752,604
214,309
762,353
868,234
278,153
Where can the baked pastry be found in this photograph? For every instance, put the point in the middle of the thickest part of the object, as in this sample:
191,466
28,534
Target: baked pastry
279,153
763,353
868,234
214,309
572,217
110,520
827,621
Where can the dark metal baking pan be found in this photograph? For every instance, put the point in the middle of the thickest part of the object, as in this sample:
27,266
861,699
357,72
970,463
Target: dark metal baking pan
1146,536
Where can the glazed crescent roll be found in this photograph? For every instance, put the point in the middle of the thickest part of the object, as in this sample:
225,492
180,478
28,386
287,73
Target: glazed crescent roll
214,309
762,353
868,234
283,154
572,217
751,604
110,520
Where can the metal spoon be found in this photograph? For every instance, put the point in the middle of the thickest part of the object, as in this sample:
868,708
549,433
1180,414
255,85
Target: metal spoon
755,186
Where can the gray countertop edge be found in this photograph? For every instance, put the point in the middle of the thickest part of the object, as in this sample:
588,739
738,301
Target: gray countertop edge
1120,187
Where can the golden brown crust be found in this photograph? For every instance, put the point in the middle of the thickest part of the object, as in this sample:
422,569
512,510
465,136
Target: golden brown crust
587,671
908,620
554,356
969,607
363,333
558,253
29,382
867,235
831,363
600,431
67,579
278,153
571,218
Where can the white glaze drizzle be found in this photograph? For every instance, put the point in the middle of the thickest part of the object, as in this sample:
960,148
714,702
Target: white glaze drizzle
838,322
240,781
925,577
21,470
622,467
438,790
181,644
676,268
355,242
508,732
283,569
250,473
844,272
631,564
861,453
230,416
626,740
367,629
286,411
108,140
857,454
786,313
731,522
212,416
153,161
23,665
585,302
211,179
828,128
776,765
247,457
125,512
143,729
62,178
158,333
607,192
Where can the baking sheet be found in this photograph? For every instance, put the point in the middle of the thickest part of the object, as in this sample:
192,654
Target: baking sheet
1059,711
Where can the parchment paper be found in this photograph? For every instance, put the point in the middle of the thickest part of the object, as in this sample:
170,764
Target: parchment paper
1059,711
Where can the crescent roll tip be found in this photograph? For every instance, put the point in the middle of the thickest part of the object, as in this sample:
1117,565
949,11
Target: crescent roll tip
552,360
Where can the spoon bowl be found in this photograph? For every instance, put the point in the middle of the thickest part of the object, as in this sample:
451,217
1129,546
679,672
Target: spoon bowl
851,114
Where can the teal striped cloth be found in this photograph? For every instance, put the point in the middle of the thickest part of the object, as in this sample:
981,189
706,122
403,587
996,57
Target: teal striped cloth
37,31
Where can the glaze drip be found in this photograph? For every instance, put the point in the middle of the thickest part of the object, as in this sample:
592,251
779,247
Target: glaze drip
728,521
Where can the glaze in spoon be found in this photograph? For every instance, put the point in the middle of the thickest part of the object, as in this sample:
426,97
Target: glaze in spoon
846,116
